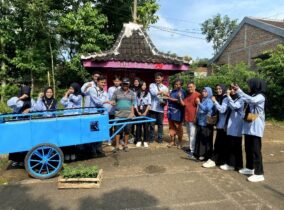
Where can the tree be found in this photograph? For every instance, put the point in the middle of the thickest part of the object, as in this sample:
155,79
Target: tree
218,30
272,70
120,11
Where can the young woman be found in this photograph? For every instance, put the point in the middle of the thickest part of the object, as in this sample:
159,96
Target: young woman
176,113
135,87
253,129
136,84
221,146
234,124
204,135
21,104
73,97
142,107
46,101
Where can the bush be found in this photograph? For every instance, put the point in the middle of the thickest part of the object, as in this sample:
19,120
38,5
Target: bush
226,74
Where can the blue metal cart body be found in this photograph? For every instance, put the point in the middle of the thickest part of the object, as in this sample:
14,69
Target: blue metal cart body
41,135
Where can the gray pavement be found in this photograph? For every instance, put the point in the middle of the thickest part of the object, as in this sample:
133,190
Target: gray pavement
158,178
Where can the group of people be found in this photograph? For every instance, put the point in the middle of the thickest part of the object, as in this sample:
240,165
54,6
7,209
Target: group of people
233,112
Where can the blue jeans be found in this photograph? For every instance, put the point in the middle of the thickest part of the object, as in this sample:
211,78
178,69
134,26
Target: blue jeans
159,121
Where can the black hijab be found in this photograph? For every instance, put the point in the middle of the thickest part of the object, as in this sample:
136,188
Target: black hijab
77,88
257,86
50,103
220,98
27,101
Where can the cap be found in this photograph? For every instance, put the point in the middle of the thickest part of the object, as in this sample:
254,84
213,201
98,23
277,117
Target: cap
125,81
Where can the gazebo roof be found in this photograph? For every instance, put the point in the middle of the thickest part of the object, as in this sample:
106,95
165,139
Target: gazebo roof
134,45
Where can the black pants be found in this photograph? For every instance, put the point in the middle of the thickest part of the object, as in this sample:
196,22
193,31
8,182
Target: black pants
235,152
159,121
139,133
253,154
221,148
204,141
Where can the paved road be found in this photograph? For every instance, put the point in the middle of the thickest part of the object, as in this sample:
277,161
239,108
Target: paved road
157,178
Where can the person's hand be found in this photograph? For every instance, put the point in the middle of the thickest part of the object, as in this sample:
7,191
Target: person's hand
213,99
197,101
131,115
112,103
89,85
235,86
144,114
40,95
179,94
228,92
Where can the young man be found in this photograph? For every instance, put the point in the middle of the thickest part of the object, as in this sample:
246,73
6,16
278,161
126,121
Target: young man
157,90
190,115
124,99
98,96
111,90
86,88
176,113
99,99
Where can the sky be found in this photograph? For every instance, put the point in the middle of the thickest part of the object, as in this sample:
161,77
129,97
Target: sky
183,19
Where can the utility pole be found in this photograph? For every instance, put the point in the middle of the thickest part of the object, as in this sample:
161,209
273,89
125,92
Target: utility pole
135,11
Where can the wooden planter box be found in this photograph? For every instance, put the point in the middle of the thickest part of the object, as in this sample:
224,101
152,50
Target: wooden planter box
83,183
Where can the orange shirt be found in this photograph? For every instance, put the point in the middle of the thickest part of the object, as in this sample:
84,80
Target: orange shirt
191,106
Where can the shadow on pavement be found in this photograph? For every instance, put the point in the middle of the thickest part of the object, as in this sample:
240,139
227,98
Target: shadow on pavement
120,199
18,197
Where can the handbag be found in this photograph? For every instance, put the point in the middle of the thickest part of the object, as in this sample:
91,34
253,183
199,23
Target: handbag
249,117
211,120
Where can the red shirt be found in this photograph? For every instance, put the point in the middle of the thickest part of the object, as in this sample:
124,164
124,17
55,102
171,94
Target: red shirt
191,106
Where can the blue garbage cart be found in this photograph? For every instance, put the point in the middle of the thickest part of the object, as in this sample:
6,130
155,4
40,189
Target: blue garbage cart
42,134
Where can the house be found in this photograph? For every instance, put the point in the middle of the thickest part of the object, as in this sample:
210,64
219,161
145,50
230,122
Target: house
252,37
134,55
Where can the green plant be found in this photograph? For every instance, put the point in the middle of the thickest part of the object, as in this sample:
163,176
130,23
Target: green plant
4,108
81,171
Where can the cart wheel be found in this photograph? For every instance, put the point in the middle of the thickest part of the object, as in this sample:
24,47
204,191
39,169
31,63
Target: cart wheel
44,161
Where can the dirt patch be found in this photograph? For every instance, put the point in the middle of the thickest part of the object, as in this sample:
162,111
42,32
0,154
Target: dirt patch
154,169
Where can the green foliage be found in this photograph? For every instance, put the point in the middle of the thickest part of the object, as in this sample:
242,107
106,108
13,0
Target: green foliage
10,91
218,30
41,38
238,74
146,12
80,171
272,70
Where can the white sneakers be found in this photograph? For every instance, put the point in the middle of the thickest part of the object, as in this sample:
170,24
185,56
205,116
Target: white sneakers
226,167
253,177
246,171
256,178
209,164
139,144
